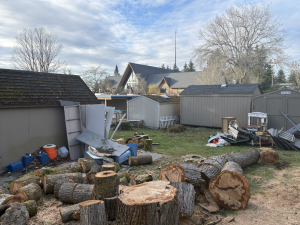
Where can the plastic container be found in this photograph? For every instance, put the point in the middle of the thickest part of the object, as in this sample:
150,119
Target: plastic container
122,158
63,152
133,149
51,150
14,167
98,159
27,159
43,158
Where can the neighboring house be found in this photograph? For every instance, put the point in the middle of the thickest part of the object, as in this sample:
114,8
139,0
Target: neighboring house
117,101
30,111
206,105
112,83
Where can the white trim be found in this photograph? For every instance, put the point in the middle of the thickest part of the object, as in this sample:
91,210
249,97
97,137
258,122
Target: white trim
158,114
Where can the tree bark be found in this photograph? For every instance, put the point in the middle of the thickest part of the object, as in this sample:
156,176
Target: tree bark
111,208
148,145
149,203
143,178
6,198
92,212
106,185
139,160
245,158
65,193
31,207
70,213
91,175
83,192
31,191
87,165
230,189
58,184
16,214
172,173
24,180
268,156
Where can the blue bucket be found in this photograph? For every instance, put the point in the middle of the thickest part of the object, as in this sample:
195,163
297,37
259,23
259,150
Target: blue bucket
43,158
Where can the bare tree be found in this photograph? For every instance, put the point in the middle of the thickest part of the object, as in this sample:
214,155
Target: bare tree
94,78
294,68
141,87
237,33
37,50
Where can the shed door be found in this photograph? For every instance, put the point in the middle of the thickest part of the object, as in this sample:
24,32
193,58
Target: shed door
274,105
293,111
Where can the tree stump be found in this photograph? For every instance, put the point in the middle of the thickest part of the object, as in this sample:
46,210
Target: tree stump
150,203
24,180
31,191
83,192
230,190
111,208
16,214
106,185
7,198
65,193
148,145
31,207
172,173
139,160
268,156
91,175
92,212
70,213
50,180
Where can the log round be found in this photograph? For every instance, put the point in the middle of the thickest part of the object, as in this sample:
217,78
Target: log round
149,203
24,180
31,207
92,212
83,192
65,193
87,164
268,156
111,208
108,167
91,175
172,173
70,213
139,160
29,192
16,214
58,184
230,189
106,185
6,198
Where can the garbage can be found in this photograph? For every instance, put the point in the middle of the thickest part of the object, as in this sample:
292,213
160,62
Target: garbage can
225,123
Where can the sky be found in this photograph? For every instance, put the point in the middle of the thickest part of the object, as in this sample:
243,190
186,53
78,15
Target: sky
115,32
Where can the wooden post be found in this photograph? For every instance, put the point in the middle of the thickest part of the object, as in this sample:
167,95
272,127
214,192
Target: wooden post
106,185
92,212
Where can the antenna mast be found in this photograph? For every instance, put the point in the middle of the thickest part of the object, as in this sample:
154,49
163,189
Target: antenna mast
175,45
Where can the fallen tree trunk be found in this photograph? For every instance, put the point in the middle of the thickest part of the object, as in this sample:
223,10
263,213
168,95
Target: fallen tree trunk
6,198
230,190
65,193
31,207
245,158
83,192
94,170
24,180
106,185
111,208
70,213
149,203
139,160
31,191
268,156
92,212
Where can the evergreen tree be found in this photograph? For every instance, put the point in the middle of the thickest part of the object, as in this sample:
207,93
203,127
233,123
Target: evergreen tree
168,67
292,79
267,78
163,66
116,73
281,77
191,67
185,68
175,67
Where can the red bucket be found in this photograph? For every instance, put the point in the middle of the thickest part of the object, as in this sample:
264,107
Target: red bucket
51,150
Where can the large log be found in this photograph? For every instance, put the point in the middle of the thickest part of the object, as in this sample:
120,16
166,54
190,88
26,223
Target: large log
94,170
70,213
31,207
49,181
58,184
16,214
24,180
245,158
139,160
7,198
172,173
65,193
31,191
149,203
111,208
230,189
106,185
92,212
268,156
83,192
87,164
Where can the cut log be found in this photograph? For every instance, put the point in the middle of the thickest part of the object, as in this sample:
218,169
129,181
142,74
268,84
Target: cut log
149,203
6,198
89,158
143,178
172,173
106,185
31,207
50,180
139,160
186,197
268,156
87,165
230,189
31,191
16,214
70,213
108,167
148,145
65,193
58,184
111,208
24,180
92,212
91,175
245,158
83,192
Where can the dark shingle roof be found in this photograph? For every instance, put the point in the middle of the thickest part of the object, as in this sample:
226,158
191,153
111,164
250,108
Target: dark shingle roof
26,88
114,80
246,89
158,98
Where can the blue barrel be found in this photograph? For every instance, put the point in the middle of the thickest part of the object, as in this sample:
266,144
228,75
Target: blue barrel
27,159
133,149
43,158
122,158
13,167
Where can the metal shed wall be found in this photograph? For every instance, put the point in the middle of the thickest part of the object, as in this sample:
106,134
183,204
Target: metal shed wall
169,109
273,102
208,110
145,109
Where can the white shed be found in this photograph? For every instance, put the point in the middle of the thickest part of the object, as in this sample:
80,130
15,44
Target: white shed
154,110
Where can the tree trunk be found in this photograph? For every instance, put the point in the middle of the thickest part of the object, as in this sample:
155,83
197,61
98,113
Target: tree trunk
50,180
148,145
111,208
16,214
245,158
83,192
106,185
65,193
70,213
172,173
31,207
230,189
6,198
31,191
24,180
91,175
58,184
87,165
92,212
143,178
186,197
268,156
149,203
139,160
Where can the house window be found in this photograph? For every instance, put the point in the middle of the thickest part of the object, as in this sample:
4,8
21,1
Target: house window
178,90
164,90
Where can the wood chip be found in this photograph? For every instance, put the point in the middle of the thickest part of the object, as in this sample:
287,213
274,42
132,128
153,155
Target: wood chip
214,222
229,219
209,208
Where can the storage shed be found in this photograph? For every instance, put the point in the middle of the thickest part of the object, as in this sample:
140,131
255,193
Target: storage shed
285,100
206,105
150,108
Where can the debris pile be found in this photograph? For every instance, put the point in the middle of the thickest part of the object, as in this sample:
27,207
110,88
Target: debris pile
285,140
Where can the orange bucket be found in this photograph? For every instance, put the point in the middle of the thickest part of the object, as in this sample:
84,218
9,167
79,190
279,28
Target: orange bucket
51,150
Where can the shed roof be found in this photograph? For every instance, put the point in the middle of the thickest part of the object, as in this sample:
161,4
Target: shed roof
238,89
27,88
160,99
279,90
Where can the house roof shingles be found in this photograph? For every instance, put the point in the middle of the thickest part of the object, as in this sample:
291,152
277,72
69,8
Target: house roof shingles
158,98
246,89
26,88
